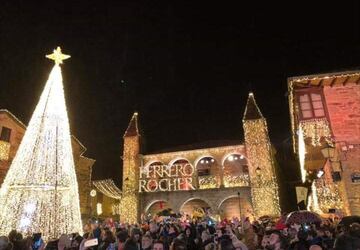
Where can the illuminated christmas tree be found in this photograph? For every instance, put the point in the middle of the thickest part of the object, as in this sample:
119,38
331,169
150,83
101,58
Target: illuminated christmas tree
40,191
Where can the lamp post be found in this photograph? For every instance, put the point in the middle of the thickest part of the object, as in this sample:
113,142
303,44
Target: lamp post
92,195
241,221
239,205
330,154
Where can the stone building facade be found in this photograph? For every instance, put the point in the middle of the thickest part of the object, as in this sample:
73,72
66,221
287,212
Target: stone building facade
12,131
325,110
227,179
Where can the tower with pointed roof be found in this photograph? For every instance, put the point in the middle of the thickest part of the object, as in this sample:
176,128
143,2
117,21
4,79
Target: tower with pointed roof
129,203
265,196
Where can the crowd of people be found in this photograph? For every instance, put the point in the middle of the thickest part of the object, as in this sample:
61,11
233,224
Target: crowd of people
176,234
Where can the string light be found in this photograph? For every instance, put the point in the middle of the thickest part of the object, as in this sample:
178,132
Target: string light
115,209
302,152
316,129
4,150
264,186
99,208
313,204
242,180
40,190
129,203
108,188
325,196
206,182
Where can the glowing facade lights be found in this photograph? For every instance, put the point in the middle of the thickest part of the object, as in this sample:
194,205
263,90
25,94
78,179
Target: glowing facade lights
264,190
99,210
302,152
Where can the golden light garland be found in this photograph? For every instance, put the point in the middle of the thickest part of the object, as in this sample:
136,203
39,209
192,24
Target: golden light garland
207,182
108,188
316,129
242,180
313,204
302,152
115,209
129,203
264,184
40,190
328,195
99,210
4,150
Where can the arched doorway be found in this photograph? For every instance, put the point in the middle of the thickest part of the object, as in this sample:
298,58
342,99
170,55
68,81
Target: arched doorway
231,206
194,207
208,172
156,207
236,171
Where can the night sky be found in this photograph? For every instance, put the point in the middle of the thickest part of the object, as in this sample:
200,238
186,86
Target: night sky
186,68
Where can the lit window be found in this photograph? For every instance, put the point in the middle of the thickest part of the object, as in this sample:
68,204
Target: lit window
5,134
311,104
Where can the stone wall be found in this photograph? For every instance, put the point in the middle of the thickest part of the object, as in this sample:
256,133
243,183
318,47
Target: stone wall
214,198
17,133
343,104
83,174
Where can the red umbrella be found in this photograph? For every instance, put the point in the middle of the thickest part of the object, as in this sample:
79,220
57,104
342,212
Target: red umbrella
303,217
280,224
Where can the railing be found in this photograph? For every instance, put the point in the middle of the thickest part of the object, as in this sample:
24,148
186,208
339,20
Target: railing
242,180
208,181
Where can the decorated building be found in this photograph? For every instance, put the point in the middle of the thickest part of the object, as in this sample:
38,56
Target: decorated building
12,131
325,120
222,179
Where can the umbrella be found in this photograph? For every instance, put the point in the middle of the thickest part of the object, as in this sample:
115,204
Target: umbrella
280,224
348,220
302,217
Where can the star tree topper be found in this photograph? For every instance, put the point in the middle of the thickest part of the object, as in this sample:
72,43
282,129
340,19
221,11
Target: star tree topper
57,56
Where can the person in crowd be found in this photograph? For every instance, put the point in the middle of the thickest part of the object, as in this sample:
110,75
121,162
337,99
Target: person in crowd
121,239
158,245
37,242
5,243
130,244
302,242
64,242
315,247
16,239
178,244
226,244
349,239
189,238
277,241
205,239
194,234
107,241
146,241
135,237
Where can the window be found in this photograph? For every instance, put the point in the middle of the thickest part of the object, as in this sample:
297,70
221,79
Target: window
204,172
5,134
311,104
